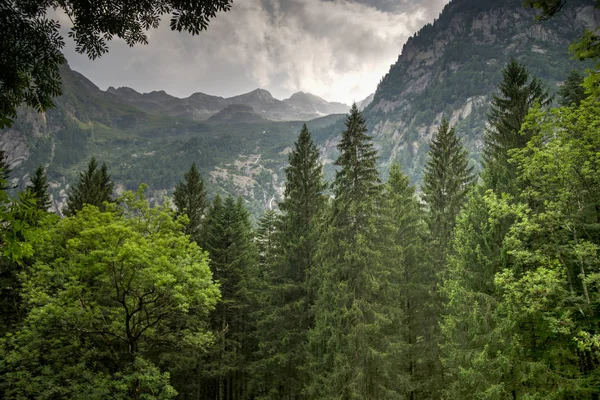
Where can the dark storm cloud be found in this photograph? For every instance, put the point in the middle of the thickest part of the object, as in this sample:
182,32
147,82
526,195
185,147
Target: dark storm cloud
337,49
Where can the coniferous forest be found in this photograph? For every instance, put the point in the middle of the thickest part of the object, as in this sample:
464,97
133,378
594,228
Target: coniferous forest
480,282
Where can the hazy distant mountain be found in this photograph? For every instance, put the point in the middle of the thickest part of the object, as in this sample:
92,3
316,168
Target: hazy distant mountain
199,106
310,105
237,113
364,103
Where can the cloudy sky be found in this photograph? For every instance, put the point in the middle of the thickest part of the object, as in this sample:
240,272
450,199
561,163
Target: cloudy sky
336,49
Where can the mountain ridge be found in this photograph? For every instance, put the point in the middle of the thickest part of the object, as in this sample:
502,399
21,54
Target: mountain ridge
201,106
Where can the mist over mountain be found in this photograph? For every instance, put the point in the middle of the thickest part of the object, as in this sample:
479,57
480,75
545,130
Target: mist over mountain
450,68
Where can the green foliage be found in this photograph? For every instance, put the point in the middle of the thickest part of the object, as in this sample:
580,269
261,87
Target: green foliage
233,259
23,225
505,118
572,91
5,171
448,177
31,56
548,8
190,199
265,238
109,294
94,188
288,244
38,185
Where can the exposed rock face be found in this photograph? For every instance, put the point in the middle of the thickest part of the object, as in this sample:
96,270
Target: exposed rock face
451,69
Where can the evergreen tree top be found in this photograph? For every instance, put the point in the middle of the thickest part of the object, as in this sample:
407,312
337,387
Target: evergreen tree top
304,174
38,186
357,177
94,187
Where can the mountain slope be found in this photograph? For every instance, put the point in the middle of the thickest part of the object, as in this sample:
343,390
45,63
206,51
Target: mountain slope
237,150
451,68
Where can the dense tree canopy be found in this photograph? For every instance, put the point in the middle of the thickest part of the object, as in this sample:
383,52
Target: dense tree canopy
108,294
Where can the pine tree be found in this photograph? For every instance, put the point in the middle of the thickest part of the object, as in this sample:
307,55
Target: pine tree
479,361
408,255
572,91
5,171
356,181
448,178
507,114
228,238
94,187
285,317
265,238
39,188
190,199
355,346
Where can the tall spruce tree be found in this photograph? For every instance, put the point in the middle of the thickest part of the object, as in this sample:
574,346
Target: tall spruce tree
38,185
228,238
94,187
265,238
506,115
448,178
476,355
285,318
407,255
190,199
356,347
572,91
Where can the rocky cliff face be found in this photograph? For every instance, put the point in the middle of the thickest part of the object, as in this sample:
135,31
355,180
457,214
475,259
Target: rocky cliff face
452,67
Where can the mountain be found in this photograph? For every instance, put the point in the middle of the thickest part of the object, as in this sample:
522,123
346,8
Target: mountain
200,106
449,68
147,138
366,102
309,104
237,113
452,67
